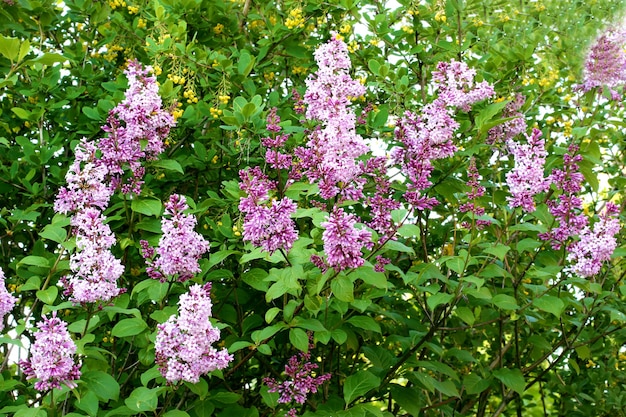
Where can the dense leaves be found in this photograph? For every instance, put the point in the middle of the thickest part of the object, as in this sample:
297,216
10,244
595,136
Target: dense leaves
425,277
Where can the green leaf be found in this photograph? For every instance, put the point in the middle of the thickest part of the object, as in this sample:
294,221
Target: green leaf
21,113
299,339
550,304
505,302
143,399
147,206
343,288
88,403
371,277
30,412
9,47
487,115
437,299
54,233
91,113
465,314
365,323
176,413
48,58
169,164
358,384
217,257
129,327
499,251
512,379
474,384
48,295
32,260
102,384
446,387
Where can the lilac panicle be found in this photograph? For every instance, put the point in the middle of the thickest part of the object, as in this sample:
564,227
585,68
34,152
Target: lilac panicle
332,151
86,186
476,192
184,343
511,128
180,247
51,356
7,301
343,241
526,179
567,208
596,246
267,223
456,86
299,381
95,269
136,130
605,65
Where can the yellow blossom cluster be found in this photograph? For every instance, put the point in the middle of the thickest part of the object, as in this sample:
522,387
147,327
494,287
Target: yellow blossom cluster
114,4
178,111
141,23
440,16
298,70
216,113
256,24
190,95
295,19
223,98
549,79
218,29
345,28
177,79
133,10
353,46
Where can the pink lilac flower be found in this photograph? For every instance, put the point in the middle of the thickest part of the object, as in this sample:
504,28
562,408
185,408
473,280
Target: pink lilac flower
51,356
95,269
343,242
382,202
456,86
136,129
180,247
184,343
333,148
511,128
595,246
476,192
86,186
7,301
605,65
567,209
526,179
267,223
299,381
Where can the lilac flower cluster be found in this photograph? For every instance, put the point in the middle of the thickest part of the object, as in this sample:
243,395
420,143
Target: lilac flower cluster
330,158
183,343
526,179
382,202
511,128
180,247
476,192
605,65
136,129
567,209
429,136
299,383
51,360
595,246
7,301
456,86
267,222
95,270
343,241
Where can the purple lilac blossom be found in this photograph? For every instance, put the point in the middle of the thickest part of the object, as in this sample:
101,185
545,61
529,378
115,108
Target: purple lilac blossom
299,382
51,356
7,301
567,209
85,179
183,343
511,128
526,179
595,246
605,65
456,86
332,151
136,129
180,247
95,269
343,241
476,192
382,202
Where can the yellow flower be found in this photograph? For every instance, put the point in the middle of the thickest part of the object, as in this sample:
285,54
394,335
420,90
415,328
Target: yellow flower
295,19
133,9
141,24
440,16
218,29
345,28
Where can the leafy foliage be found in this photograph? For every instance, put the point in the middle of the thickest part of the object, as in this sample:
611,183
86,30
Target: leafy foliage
462,320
